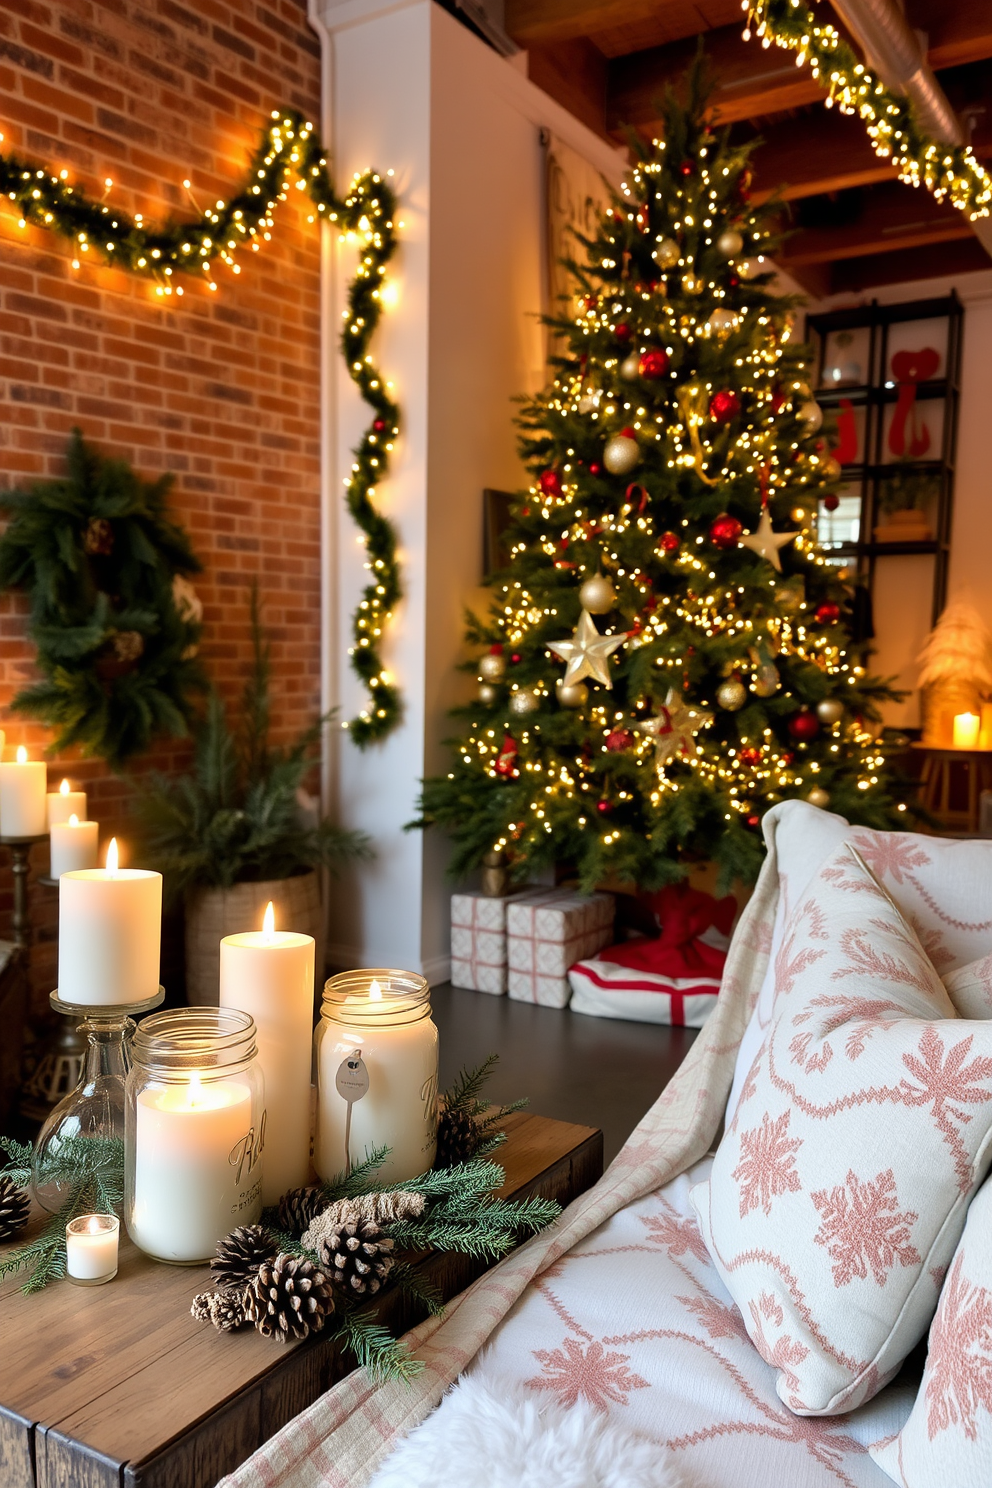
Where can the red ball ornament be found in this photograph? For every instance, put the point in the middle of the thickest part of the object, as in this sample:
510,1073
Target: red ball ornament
750,755
653,363
619,740
622,331
804,726
827,613
515,657
594,467
724,405
725,531
754,821
686,167
379,425
604,806
668,542
831,503
550,482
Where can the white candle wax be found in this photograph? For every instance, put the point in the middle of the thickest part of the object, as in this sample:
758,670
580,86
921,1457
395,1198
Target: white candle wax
23,786
64,803
269,974
73,846
91,1244
195,1173
399,1109
110,933
966,727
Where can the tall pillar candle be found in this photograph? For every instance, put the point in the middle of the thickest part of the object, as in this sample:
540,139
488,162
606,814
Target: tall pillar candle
65,802
74,845
23,792
110,934
269,974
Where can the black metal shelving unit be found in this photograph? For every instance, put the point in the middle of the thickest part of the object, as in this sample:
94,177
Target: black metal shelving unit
874,396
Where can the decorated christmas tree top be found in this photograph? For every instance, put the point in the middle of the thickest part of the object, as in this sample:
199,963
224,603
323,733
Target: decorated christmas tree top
665,655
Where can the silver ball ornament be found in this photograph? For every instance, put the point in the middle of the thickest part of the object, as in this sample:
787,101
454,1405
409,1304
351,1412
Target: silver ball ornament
766,681
722,322
487,694
630,367
621,454
598,595
575,696
830,711
730,243
731,695
524,701
818,797
667,253
492,666
811,415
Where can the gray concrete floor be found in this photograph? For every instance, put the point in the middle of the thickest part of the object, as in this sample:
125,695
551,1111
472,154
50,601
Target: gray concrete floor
598,1071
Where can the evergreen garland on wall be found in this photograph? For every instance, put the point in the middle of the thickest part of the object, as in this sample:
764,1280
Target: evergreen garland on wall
289,154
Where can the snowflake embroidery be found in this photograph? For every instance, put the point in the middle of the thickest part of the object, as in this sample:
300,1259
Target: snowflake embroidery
767,1165
600,1377
864,959
863,1231
947,1085
790,963
959,1364
786,1352
719,1319
677,1232
891,854
931,938
865,1014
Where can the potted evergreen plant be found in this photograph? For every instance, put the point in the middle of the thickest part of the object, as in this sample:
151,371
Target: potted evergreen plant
239,829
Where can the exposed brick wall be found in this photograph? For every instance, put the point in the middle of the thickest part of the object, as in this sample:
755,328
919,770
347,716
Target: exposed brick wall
221,388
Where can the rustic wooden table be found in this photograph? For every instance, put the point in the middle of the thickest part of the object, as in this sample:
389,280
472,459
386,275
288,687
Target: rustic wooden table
118,1387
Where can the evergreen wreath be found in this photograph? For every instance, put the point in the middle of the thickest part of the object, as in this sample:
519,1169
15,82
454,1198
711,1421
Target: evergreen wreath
289,148
114,618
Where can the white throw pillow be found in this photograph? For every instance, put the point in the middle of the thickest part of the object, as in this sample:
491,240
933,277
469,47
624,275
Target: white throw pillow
863,1128
947,1441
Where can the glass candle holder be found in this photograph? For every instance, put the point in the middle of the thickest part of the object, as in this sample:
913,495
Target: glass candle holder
377,1051
91,1244
194,1129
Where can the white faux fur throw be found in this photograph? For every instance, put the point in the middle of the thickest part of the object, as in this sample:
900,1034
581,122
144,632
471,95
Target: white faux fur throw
491,1433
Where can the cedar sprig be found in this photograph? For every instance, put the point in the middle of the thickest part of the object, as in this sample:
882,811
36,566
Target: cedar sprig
382,1356
464,1098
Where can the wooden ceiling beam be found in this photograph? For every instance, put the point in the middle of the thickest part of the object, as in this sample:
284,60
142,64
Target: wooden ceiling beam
574,73
957,31
856,275
529,21
824,151
893,218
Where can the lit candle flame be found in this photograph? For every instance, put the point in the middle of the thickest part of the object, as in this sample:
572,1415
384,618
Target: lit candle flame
195,1092
74,820
22,755
64,788
93,1226
269,922
112,856
375,992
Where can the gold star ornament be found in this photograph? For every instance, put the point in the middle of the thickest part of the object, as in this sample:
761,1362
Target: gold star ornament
674,729
587,653
765,542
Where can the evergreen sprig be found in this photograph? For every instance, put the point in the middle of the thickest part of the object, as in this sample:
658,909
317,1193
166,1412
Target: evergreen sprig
464,1098
90,1171
289,149
381,1355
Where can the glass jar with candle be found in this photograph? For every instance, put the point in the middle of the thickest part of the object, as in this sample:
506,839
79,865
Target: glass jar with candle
194,1132
376,1074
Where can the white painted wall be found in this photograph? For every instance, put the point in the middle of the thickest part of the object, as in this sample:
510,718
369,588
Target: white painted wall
410,89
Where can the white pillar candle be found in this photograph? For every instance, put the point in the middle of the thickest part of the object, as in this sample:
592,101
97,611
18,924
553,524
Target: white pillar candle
64,803
966,727
91,1243
192,1156
23,805
269,974
73,845
396,1040
110,934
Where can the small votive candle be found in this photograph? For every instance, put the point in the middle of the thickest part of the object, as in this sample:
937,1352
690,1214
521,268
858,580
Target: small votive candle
91,1248
966,726
65,802
73,845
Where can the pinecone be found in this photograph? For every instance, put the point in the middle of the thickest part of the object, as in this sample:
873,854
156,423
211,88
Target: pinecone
357,1256
299,1207
239,1256
15,1207
289,1298
457,1138
98,539
226,1310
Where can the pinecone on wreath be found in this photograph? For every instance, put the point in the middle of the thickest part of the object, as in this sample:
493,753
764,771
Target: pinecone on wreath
239,1256
357,1256
15,1206
299,1207
457,1136
289,1298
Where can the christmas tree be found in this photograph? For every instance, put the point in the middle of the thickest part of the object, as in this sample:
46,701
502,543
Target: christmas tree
666,653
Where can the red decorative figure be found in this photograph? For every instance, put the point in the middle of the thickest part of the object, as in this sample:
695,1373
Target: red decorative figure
506,759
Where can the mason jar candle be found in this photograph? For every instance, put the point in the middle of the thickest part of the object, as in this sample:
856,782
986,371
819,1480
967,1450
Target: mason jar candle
376,1074
194,1130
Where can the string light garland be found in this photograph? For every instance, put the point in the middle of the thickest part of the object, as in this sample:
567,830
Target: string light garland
949,172
289,156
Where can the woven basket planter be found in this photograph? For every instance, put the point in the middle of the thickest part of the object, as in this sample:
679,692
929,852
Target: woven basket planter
213,913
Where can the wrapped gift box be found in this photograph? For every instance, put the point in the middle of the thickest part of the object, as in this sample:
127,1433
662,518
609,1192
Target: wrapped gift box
547,932
478,940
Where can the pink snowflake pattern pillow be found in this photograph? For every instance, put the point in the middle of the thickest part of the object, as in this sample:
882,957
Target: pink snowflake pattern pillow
948,1437
862,1131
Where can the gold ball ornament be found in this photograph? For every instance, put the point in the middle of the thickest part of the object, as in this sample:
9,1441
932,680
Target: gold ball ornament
598,595
621,454
830,711
574,696
766,681
811,415
722,322
818,797
667,253
492,666
630,367
730,243
524,701
731,695
487,694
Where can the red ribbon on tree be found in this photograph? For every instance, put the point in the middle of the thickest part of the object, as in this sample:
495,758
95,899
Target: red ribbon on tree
631,489
910,368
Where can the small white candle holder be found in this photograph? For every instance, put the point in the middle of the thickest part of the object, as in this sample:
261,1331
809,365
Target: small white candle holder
91,1245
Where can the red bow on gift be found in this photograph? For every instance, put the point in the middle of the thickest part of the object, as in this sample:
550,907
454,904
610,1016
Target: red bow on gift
910,368
683,915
